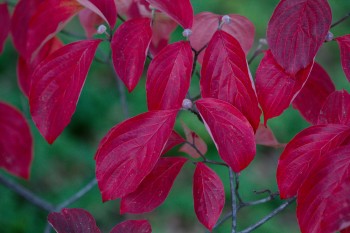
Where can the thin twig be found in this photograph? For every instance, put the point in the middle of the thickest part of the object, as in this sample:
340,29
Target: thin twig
121,18
259,50
25,193
240,201
268,217
205,160
271,197
340,20
233,200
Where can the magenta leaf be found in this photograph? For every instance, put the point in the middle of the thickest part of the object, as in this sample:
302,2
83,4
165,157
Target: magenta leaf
106,9
296,31
90,21
208,195
316,90
5,20
22,14
264,136
206,24
169,76
56,86
344,45
129,50
73,221
303,151
26,67
336,109
179,10
225,75
230,130
155,188
275,88
133,226
323,199
16,143
130,150
346,230
49,18
174,140
195,140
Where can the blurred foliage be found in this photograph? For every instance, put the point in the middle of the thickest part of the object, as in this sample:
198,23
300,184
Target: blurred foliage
60,170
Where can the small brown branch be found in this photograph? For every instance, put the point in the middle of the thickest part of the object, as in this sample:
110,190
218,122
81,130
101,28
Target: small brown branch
233,200
340,20
121,18
259,50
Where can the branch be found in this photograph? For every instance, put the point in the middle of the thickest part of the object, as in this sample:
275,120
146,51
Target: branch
26,194
340,20
269,216
233,200
271,197
259,50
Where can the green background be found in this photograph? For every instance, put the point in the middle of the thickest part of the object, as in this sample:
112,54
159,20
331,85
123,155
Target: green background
60,170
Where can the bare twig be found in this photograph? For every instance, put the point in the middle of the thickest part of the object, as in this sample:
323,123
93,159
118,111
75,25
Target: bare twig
233,200
271,197
340,20
269,216
259,50
121,18
25,193
240,201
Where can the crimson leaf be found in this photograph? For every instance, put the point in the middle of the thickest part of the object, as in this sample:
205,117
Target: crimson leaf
296,31
303,151
129,50
49,18
316,90
132,226
25,67
208,195
323,199
264,136
195,141
130,150
155,188
169,76
174,140
73,221
5,24
16,143
56,86
230,130
344,45
225,75
106,9
90,21
275,88
179,10
336,109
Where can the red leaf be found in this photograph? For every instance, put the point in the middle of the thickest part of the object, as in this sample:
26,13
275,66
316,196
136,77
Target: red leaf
303,151
106,9
195,140
130,150
174,140
49,18
16,143
22,14
169,76
162,28
129,50
206,24
90,21
132,226
154,189
275,88
344,45
264,136
230,130
316,90
5,24
208,195
73,221
225,75
136,9
296,31
25,68
336,109
323,199
56,86
179,10
347,230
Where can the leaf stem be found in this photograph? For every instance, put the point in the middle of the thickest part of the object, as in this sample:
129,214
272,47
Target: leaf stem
26,194
259,50
233,200
269,216
340,20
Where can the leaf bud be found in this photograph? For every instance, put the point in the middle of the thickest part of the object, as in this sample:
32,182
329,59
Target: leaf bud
101,29
187,104
187,32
